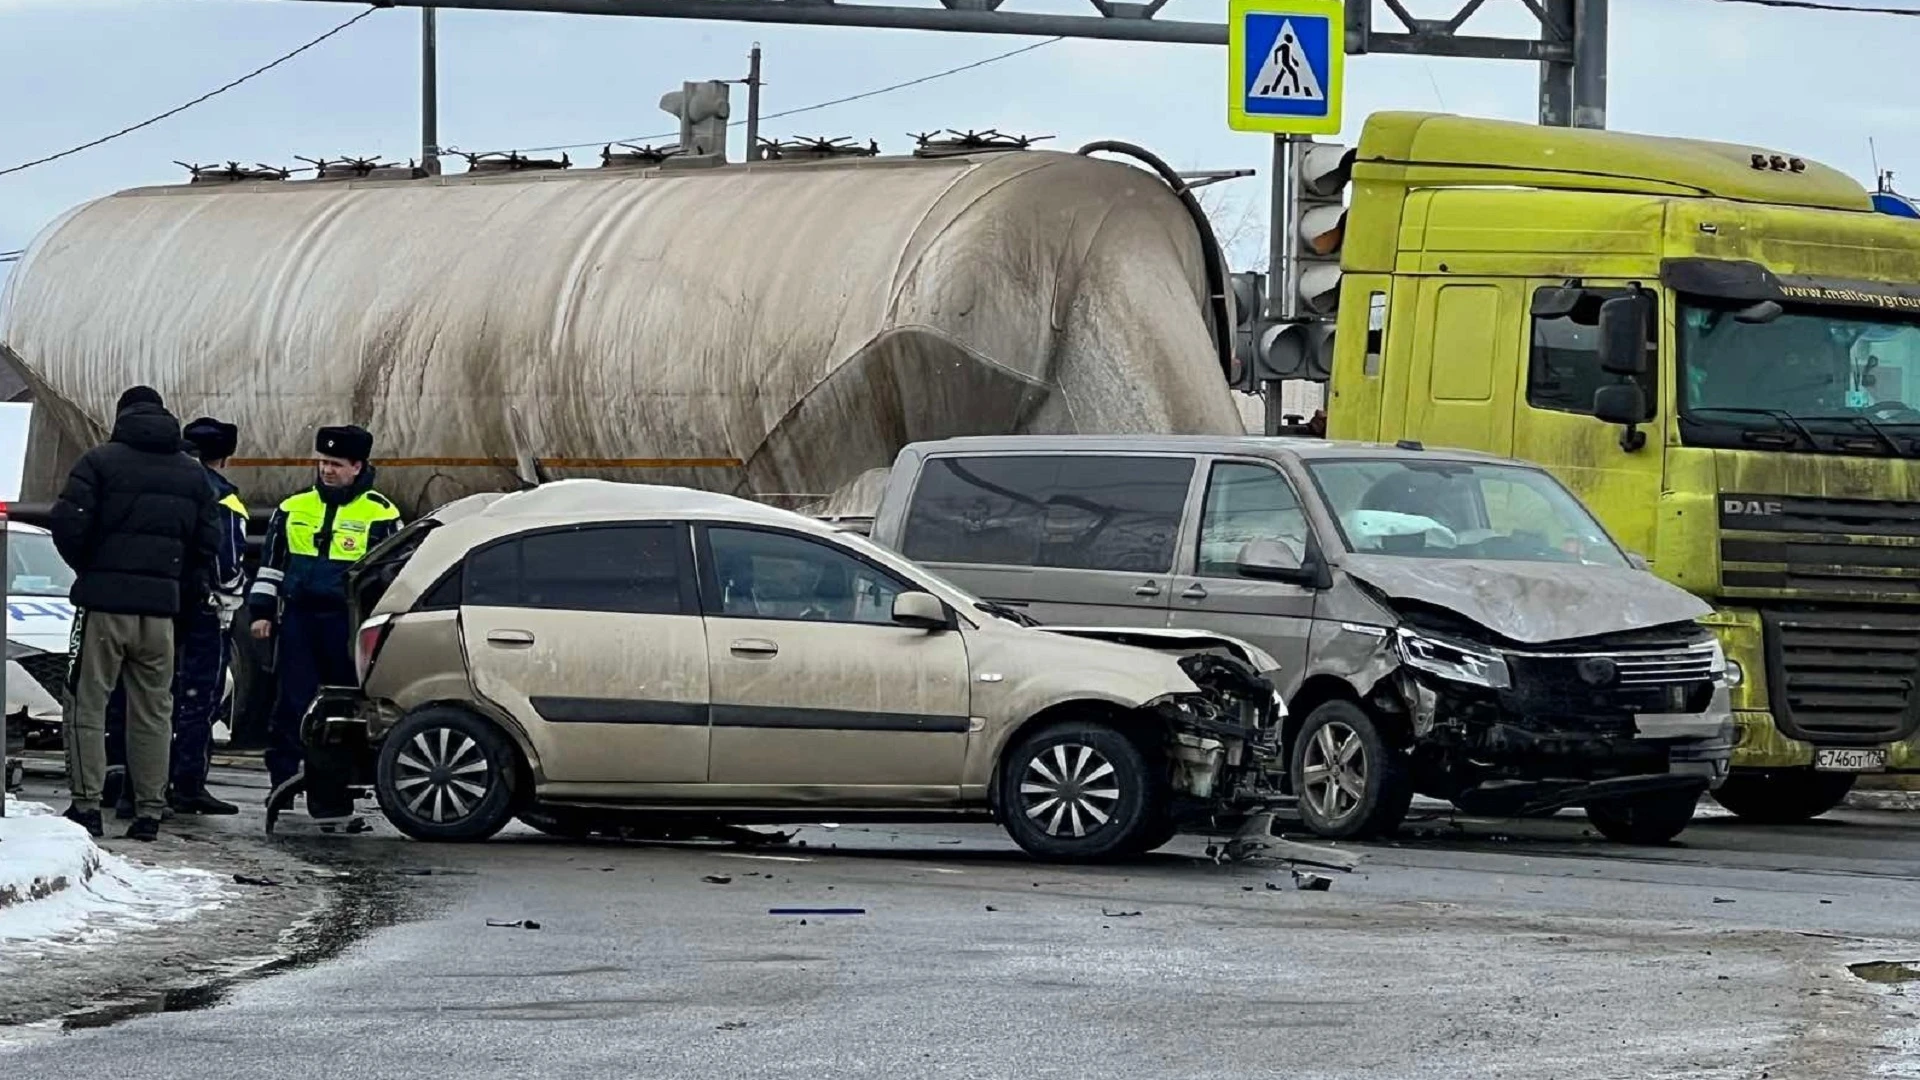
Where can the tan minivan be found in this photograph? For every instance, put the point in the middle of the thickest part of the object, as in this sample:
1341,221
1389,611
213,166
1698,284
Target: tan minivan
590,652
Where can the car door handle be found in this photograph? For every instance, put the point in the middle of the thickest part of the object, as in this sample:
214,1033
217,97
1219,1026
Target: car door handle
510,638
1148,588
1195,591
754,647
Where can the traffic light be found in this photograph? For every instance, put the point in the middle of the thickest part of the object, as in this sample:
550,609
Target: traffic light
1320,175
1247,291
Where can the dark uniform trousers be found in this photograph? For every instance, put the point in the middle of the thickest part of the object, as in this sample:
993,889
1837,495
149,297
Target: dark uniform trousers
314,650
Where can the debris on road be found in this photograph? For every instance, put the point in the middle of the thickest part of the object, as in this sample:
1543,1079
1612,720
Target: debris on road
1887,971
517,924
1306,882
718,879
817,911
731,1025
1257,840
261,882
1724,900
1118,914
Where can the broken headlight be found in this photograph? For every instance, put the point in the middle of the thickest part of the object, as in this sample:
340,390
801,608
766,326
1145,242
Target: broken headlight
1453,660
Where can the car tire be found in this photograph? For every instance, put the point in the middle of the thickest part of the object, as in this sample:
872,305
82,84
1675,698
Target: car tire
1782,796
1079,777
564,824
1647,819
1369,786
1157,837
446,774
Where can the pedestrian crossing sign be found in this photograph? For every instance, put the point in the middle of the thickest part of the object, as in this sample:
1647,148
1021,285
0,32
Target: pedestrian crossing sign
1285,61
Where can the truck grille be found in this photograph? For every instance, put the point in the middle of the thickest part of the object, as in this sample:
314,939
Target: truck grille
1844,676
1843,549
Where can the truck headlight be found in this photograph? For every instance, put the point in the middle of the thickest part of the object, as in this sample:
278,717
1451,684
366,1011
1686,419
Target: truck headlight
1727,673
1453,660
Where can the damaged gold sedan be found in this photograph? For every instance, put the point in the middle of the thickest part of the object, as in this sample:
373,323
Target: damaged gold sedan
588,654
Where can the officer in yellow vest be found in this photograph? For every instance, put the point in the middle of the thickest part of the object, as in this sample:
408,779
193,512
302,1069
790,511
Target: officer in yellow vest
299,598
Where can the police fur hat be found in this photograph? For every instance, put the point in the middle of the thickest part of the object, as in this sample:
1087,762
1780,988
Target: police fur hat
211,439
138,395
348,441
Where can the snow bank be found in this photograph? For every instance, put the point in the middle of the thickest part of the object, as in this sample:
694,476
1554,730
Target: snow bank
57,889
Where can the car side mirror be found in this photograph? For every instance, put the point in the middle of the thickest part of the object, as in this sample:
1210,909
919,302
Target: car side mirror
1623,403
1271,560
922,611
1623,334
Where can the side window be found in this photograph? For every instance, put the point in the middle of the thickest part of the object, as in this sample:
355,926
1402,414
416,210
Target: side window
772,575
1246,503
1087,512
625,569
1563,367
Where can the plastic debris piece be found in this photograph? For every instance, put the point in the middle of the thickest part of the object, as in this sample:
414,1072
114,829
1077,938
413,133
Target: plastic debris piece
817,911
516,924
1306,882
717,879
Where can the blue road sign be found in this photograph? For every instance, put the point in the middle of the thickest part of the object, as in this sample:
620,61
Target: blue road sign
1286,61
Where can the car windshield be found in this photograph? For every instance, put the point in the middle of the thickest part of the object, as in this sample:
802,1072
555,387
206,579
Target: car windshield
34,567
1460,510
1805,379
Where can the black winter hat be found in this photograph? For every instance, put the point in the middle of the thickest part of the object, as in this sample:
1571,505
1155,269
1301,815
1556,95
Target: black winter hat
348,441
212,439
138,395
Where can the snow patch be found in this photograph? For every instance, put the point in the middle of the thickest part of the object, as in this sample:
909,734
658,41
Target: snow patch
59,891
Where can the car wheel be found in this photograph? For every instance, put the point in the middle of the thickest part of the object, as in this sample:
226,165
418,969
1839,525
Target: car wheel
1075,791
446,774
1647,819
1351,783
1158,837
1782,796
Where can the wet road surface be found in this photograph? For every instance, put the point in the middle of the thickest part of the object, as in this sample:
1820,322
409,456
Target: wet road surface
1513,949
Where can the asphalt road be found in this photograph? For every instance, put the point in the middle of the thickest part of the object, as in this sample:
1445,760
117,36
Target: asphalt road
1478,950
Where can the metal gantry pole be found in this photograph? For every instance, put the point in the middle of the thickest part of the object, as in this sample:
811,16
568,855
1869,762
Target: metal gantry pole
1590,63
1283,258
1556,76
753,103
429,94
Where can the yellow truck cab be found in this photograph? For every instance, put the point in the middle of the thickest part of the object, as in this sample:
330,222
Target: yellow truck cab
1718,348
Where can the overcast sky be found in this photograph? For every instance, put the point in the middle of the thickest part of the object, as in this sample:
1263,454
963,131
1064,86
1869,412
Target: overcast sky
70,70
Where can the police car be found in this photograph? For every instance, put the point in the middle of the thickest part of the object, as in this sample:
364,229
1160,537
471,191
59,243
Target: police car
39,635
39,628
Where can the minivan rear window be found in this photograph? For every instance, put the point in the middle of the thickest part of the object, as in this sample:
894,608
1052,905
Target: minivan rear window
1075,511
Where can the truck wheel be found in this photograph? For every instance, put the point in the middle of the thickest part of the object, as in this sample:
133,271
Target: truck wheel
1350,782
1079,792
1648,819
1782,796
445,774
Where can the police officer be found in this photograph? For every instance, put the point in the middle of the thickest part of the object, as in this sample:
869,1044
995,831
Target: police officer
200,636
299,595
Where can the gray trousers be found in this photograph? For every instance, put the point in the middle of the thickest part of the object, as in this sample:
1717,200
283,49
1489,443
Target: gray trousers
110,649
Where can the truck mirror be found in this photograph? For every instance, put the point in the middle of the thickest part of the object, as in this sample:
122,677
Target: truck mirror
1622,403
1759,314
1623,334
1270,560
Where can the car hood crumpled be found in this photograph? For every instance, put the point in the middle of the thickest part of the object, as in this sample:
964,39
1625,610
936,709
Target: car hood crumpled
1532,602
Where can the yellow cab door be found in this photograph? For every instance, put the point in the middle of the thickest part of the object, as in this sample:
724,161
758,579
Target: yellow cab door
1554,423
1460,388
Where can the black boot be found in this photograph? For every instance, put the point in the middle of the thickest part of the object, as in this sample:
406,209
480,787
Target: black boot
201,802
86,819
144,829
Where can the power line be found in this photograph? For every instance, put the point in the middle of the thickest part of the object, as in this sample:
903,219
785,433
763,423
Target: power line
183,108
1821,5
809,108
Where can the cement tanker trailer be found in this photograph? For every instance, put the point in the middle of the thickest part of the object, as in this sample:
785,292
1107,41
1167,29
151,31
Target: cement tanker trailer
766,329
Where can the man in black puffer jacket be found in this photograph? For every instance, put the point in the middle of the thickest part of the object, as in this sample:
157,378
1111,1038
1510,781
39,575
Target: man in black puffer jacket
138,523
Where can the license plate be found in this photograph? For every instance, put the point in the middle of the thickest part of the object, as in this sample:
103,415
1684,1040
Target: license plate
1849,760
